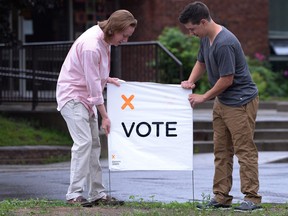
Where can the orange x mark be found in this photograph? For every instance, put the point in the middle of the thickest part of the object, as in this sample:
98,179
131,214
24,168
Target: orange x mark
127,102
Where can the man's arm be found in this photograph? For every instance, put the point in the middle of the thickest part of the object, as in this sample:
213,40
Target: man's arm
196,73
221,85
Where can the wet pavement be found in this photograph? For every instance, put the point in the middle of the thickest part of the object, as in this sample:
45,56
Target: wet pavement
51,181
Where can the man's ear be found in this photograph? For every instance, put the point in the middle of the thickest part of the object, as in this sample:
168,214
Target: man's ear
203,21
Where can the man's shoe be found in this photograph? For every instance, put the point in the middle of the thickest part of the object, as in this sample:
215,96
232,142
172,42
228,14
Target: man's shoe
247,206
213,204
107,200
80,200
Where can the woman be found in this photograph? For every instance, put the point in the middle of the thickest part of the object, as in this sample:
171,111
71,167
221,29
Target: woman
79,95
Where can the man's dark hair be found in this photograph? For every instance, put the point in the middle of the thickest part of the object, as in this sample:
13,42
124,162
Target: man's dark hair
194,13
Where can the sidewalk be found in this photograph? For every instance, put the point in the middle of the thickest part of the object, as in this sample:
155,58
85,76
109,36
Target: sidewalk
51,181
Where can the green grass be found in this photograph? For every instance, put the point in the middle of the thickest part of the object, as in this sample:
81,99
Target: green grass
15,132
132,208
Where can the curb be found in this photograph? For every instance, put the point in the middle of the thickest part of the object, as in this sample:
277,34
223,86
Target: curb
33,154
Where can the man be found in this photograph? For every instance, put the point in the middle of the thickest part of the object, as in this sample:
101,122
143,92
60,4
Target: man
235,106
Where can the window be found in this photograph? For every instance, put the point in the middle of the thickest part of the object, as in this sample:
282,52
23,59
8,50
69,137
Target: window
278,31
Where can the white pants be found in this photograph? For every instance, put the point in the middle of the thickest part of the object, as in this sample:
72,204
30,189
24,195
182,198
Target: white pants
85,159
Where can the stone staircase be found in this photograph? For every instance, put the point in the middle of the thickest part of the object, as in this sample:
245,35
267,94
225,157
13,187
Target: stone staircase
271,132
269,136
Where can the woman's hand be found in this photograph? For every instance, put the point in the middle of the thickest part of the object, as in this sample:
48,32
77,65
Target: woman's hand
106,124
113,80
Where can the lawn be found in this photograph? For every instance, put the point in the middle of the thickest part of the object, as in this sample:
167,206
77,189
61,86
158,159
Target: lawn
20,132
132,208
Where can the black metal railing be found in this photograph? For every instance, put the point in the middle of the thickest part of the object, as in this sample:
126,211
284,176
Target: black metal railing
146,61
29,73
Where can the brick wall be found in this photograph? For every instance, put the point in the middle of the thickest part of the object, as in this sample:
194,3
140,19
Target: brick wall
247,19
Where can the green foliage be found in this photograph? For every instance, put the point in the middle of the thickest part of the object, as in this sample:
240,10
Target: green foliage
271,84
183,47
136,208
8,206
20,132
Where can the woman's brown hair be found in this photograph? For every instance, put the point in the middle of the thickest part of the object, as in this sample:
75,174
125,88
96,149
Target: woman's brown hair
117,22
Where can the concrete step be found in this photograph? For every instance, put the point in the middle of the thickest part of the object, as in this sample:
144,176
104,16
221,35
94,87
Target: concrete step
10,106
267,124
262,145
260,134
48,154
270,124
281,106
270,133
33,154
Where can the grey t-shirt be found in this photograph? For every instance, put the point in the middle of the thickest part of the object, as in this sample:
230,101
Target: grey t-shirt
225,57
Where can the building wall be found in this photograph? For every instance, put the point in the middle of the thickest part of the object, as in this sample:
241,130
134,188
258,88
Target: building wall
247,19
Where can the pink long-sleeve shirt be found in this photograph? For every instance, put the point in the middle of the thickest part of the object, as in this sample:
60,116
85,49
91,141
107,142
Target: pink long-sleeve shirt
85,70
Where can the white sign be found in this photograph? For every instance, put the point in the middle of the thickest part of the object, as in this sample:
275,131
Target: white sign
151,127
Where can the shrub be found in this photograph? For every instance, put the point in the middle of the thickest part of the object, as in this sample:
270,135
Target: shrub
270,84
185,48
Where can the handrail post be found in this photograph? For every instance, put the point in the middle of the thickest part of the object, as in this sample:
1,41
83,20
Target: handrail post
157,62
181,72
116,61
34,81
177,61
1,90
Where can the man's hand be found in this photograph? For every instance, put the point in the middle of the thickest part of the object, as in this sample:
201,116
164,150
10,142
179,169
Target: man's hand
195,99
187,85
